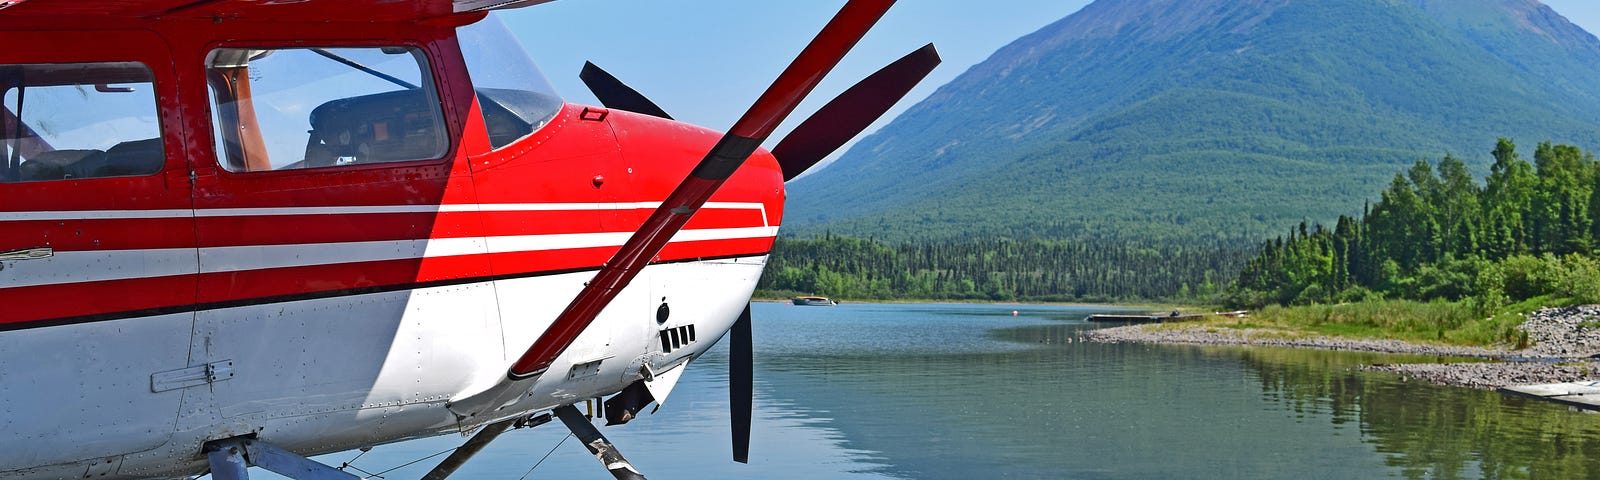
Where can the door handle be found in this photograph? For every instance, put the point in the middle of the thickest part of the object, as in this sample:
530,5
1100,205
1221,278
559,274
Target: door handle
28,254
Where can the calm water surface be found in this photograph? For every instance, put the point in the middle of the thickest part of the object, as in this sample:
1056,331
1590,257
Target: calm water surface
969,391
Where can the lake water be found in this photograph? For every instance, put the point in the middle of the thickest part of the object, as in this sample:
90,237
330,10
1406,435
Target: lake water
969,391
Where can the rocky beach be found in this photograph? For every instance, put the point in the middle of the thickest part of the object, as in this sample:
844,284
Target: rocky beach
1564,345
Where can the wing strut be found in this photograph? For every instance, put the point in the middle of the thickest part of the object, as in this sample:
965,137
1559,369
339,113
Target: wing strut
792,86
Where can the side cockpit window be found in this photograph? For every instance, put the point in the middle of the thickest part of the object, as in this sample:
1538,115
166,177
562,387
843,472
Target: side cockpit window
65,121
515,97
290,108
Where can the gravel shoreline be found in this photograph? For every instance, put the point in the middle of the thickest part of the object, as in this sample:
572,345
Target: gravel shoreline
1566,347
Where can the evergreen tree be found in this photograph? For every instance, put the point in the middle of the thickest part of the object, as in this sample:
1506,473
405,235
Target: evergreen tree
1434,234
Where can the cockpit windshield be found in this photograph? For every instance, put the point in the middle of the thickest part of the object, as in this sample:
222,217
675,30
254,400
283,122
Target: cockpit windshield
516,99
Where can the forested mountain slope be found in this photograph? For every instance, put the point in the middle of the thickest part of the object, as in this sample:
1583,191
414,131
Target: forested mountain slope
1174,119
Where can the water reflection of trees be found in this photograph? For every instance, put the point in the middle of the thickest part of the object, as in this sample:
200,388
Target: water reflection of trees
1429,431
1078,410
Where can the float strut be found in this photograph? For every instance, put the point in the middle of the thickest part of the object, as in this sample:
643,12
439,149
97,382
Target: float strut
230,457
597,444
477,442
227,462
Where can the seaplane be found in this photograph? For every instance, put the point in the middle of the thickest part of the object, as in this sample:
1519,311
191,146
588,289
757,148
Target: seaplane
240,233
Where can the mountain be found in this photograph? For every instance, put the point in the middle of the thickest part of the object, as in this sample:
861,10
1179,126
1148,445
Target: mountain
1183,118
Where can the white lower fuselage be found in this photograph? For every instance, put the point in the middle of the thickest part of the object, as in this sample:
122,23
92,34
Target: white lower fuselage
130,397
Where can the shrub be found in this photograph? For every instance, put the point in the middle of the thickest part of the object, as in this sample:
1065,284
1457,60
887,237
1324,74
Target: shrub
1357,293
1527,276
1246,298
1489,290
1312,294
1579,279
1451,279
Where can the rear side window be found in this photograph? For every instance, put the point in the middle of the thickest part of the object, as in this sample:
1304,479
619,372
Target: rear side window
65,121
290,108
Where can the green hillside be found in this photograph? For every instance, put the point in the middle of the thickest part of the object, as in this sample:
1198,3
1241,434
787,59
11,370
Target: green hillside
1174,119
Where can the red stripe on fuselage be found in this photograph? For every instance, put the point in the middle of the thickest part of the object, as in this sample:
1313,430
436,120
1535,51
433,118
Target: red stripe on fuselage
725,218
107,234
279,282
678,251
505,223
514,263
71,300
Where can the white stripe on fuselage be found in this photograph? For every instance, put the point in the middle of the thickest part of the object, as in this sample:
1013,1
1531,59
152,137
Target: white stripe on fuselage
98,266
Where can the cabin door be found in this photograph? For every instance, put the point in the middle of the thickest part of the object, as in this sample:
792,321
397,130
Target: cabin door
97,247
336,223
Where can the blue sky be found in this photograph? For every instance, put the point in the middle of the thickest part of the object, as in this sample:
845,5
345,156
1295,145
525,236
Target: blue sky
704,61
1585,13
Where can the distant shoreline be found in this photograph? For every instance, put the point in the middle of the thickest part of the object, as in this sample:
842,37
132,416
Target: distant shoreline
1109,306
1565,349
1179,334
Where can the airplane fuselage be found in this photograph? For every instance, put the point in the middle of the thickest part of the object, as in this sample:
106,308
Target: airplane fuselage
220,249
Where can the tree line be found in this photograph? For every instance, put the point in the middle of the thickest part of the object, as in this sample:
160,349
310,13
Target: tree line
1528,231
1002,269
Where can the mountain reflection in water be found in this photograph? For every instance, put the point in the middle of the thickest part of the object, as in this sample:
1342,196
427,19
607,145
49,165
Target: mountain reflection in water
969,391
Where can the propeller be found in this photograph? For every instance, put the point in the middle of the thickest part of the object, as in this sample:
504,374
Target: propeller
818,136
741,384
852,111
615,94
813,140
738,144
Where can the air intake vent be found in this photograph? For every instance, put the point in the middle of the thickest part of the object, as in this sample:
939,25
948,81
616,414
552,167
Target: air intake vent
676,338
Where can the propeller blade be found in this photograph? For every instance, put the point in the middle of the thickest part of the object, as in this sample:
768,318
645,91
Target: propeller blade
615,94
741,384
852,111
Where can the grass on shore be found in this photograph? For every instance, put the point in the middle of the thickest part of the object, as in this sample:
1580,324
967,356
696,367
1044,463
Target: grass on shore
1437,322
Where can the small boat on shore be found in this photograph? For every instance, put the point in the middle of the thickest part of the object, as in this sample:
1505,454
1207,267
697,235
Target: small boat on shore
1160,317
1583,395
812,301
1145,318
